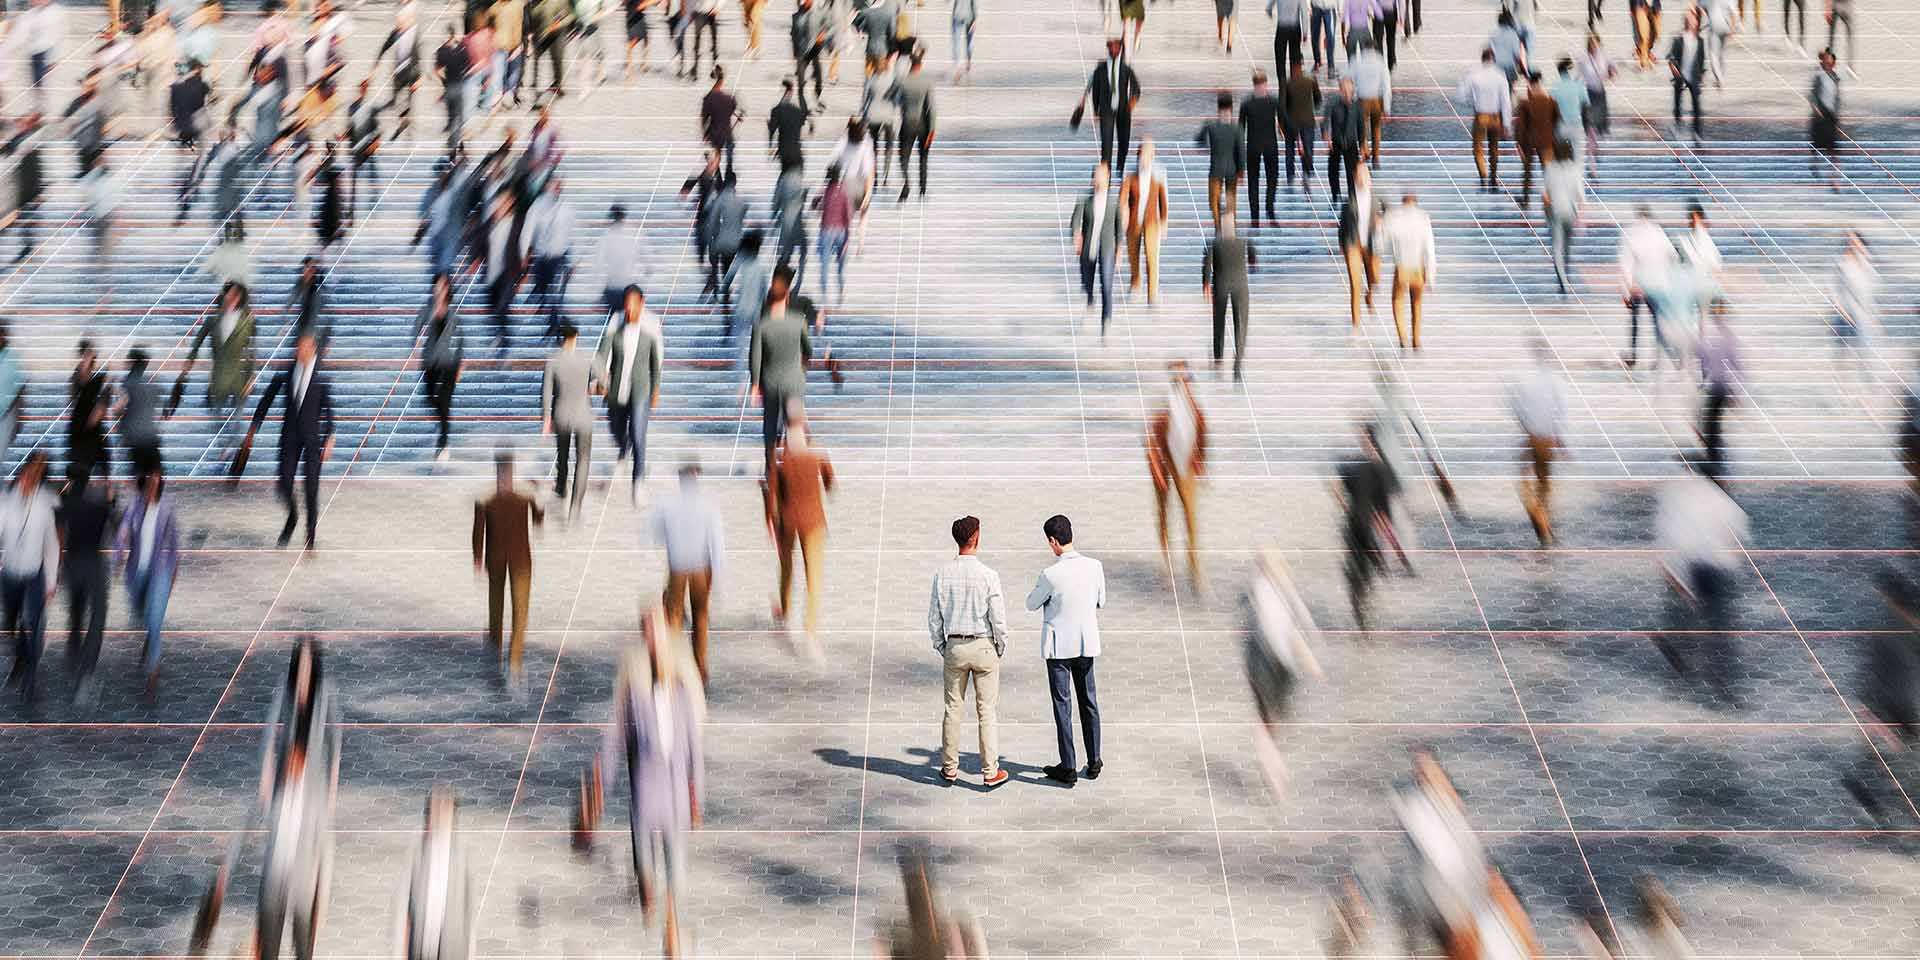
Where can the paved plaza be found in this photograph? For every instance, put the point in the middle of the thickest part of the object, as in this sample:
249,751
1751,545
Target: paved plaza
978,382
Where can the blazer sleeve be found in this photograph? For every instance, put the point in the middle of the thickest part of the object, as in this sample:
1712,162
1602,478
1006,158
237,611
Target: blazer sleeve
546,393
326,410
274,387
655,359
754,345
1100,588
479,531
1041,593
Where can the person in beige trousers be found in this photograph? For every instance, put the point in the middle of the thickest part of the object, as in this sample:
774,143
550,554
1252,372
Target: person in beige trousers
967,619
1144,195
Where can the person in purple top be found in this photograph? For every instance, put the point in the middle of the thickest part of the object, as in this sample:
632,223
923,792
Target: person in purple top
149,546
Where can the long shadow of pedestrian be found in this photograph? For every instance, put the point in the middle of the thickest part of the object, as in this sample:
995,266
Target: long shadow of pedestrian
928,770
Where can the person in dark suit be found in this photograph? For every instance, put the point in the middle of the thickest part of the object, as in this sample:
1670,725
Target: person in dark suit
786,126
1260,119
1223,281
1687,61
90,397
1345,125
1096,241
306,430
87,526
503,548
1115,91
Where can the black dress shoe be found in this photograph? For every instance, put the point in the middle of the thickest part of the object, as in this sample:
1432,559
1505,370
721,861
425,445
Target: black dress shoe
286,533
1094,768
1061,774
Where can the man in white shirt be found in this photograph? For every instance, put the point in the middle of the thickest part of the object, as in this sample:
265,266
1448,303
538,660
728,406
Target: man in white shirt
1561,196
1070,594
967,619
42,28
1489,93
618,258
29,566
1539,403
547,239
1409,236
1646,258
688,525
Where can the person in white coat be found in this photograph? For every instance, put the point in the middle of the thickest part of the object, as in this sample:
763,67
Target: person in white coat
1069,596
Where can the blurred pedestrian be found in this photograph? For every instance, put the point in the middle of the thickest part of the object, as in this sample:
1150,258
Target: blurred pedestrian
566,412
689,527
148,546
797,485
503,549
1176,459
29,566
1539,401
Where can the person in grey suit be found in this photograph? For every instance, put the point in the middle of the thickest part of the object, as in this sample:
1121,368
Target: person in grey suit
628,364
1096,241
777,355
1069,594
918,121
1223,281
438,908
567,415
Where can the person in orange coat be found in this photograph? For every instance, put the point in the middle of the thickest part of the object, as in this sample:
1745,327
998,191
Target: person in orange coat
1176,456
1144,195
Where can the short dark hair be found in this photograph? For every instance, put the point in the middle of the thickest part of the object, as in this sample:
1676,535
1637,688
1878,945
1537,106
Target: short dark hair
1058,528
784,274
84,346
569,332
1564,65
1694,209
137,360
1486,56
965,529
617,212
1224,101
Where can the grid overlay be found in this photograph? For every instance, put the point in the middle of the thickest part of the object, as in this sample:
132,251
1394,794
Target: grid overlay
979,383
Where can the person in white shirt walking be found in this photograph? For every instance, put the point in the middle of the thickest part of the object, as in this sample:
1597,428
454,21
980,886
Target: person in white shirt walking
1561,197
1646,257
29,567
1855,299
1409,236
1489,92
618,258
688,525
547,243
42,29
1539,403
967,619
1069,595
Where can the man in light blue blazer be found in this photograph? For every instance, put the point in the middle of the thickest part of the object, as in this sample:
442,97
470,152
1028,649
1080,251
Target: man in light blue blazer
1069,594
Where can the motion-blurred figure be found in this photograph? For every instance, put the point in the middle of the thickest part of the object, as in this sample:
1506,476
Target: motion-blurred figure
689,526
1539,402
658,711
29,566
299,777
437,912
1450,866
149,546
1365,489
1176,457
1889,696
1855,321
927,932
503,547
1279,655
1699,528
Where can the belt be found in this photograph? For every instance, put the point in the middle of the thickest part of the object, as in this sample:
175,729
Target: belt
965,636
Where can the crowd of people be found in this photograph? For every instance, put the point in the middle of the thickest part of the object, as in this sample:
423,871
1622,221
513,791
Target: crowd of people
498,215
